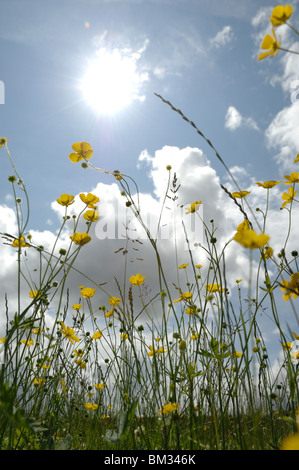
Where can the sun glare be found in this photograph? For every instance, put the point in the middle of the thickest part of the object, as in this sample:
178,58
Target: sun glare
111,81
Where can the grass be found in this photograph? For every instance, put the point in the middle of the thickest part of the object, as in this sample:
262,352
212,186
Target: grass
185,367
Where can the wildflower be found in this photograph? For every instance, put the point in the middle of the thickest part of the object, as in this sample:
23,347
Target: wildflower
269,43
137,280
114,301
90,407
268,184
267,252
83,151
292,178
195,336
291,288
294,352
295,336
287,346
240,194
185,296
34,294
124,336
214,288
237,354
78,353
280,14
87,292
198,266
296,159
90,200
65,200
156,352
290,442
182,345
250,239
69,333
80,238
20,242
2,340
193,208
243,226
110,313
38,381
190,310
3,141
28,342
238,281
288,197
80,363
77,306
99,386
168,408
97,335
91,215
183,266
36,331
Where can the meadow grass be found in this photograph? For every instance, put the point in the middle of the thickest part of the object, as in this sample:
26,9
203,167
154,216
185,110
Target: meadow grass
190,372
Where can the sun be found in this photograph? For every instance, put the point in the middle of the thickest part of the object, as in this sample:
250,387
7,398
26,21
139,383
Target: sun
111,81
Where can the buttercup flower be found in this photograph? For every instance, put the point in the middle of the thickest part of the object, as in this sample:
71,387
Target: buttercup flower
267,252
65,200
20,242
290,442
214,288
114,301
87,292
69,333
193,208
38,381
34,294
124,336
183,266
3,141
243,226
268,184
28,342
168,408
2,340
240,194
99,386
91,215
294,352
250,239
91,407
137,280
270,43
80,238
76,306
292,178
288,197
185,296
90,200
109,314
237,354
280,14
82,150
296,159
156,352
291,288
97,335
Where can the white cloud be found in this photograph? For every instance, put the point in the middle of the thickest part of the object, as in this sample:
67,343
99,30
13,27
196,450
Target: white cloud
223,37
234,120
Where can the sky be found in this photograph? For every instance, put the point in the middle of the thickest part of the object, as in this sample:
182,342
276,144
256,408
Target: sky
61,63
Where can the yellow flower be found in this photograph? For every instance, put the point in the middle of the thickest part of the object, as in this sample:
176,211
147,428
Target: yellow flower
80,238
280,14
83,151
193,208
295,336
90,407
240,194
87,292
90,200
110,313
185,296
36,331
168,408
214,288
291,442
114,301
287,346
97,335
268,184
3,141
156,352
65,200
28,342
124,336
288,198
243,226
76,306
38,381
190,310
91,215
2,339
183,266
250,239
267,252
34,294
69,333
20,242
137,280
292,178
270,43
78,353
99,386
195,336
291,288
198,266
81,364
237,354
296,159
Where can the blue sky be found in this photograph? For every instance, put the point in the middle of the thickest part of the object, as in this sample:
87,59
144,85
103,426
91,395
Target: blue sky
200,55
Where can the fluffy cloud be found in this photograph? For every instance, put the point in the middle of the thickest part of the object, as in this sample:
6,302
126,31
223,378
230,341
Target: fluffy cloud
222,38
234,120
